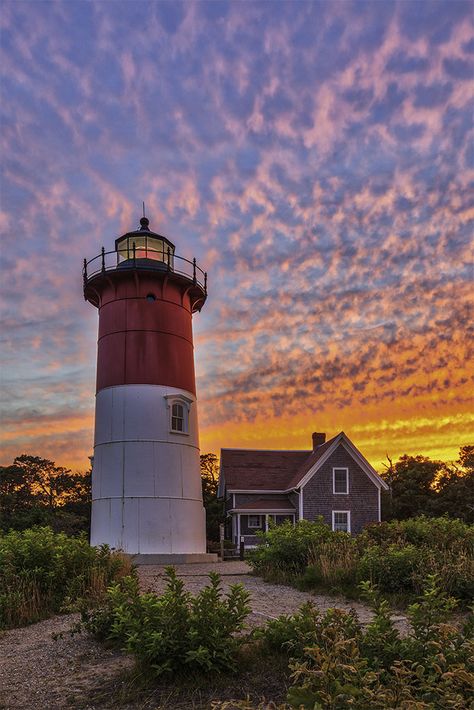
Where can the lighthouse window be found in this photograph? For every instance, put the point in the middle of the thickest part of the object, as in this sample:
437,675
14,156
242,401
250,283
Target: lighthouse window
177,417
151,297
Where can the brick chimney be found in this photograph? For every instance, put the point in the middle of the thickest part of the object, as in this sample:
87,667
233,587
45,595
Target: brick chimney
318,439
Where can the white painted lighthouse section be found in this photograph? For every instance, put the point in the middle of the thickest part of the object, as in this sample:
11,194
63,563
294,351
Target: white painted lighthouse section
146,482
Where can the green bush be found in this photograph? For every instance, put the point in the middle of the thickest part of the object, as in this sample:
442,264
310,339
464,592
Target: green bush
397,556
41,572
307,627
338,664
284,551
392,568
438,533
174,631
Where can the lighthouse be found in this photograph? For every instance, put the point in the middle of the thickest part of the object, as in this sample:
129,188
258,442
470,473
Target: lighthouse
146,483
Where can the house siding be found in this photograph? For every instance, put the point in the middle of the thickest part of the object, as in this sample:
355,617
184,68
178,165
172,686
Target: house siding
242,498
361,501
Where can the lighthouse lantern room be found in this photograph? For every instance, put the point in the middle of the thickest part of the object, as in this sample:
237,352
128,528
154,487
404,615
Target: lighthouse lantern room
146,484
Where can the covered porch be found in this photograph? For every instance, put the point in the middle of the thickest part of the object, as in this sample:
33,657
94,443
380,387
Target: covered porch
257,516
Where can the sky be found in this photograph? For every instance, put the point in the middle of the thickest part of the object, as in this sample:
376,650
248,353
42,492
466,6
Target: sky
317,160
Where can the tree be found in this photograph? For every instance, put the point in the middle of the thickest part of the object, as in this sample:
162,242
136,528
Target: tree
455,487
214,507
411,480
419,485
35,491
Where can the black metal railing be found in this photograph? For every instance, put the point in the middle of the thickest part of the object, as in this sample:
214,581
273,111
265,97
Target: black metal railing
144,258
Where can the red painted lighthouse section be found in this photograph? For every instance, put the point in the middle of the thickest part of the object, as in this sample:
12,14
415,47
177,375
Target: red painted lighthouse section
145,334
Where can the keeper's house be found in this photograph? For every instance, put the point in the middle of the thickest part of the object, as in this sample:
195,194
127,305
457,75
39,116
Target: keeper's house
333,480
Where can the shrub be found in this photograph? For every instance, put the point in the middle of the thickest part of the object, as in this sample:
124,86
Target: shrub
175,630
42,572
283,552
431,669
293,634
403,568
392,568
439,533
397,556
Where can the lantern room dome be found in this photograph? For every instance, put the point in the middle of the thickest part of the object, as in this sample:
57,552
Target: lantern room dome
148,244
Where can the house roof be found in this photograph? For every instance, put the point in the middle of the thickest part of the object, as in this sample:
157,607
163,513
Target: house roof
266,470
309,462
270,504
254,470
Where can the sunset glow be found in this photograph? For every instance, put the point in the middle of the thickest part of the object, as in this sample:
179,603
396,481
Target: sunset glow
316,158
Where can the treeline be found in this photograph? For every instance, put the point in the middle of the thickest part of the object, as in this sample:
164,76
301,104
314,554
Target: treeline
34,491
420,486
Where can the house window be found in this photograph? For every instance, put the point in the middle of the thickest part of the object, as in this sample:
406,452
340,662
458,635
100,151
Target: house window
341,520
255,521
177,417
340,480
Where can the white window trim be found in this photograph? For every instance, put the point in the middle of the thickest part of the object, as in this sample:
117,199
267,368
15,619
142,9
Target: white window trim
186,402
254,515
348,513
340,493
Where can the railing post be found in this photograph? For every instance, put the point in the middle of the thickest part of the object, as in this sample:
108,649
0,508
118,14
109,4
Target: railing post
205,282
169,261
134,254
103,259
194,270
84,273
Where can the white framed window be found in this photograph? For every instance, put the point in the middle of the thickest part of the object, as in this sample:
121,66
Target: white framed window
178,406
177,417
255,521
340,481
341,520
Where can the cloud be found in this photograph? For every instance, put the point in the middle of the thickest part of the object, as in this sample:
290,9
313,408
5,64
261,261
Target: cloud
315,158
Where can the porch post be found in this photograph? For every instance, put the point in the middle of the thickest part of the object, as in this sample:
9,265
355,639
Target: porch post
266,522
238,529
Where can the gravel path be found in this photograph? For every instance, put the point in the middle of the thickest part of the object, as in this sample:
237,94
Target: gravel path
267,600
38,672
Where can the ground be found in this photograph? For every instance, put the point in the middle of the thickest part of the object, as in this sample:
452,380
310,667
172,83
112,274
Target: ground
39,672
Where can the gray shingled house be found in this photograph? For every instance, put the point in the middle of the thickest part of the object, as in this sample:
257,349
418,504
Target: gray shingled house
333,480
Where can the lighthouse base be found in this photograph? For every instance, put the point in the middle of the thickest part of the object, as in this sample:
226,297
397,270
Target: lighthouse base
184,559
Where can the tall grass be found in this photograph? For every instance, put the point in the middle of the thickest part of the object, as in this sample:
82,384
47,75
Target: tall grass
333,563
42,573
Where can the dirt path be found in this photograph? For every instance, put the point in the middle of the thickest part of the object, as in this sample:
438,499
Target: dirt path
267,600
38,672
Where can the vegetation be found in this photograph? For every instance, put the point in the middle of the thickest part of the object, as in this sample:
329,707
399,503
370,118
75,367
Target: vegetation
317,660
174,632
420,485
214,507
43,572
336,663
396,556
34,491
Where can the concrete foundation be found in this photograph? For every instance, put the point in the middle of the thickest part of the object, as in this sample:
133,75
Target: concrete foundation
184,559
